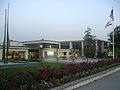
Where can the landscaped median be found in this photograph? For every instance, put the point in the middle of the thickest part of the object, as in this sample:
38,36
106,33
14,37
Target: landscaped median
86,80
50,77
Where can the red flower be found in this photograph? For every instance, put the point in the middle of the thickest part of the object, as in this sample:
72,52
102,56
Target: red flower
42,69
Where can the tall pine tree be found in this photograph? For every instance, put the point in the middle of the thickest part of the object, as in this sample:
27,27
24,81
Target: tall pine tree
89,44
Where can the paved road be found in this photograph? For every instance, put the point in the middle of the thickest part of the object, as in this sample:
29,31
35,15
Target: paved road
70,61
111,82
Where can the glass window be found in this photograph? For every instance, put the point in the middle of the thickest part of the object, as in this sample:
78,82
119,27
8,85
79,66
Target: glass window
105,45
76,45
47,45
65,45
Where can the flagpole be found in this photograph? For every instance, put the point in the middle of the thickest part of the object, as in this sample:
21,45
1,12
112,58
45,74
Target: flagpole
7,35
4,40
113,40
112,17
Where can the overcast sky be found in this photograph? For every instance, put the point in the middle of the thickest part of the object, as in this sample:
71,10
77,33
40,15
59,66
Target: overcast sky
58,19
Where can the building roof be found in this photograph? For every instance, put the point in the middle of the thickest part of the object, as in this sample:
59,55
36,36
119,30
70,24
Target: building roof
17,43
70,40
102,40
41,41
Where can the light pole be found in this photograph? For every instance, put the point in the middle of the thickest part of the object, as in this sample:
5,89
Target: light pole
96,48
40,51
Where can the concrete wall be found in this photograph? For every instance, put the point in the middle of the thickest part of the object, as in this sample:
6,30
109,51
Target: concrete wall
15,43
26,54
102,47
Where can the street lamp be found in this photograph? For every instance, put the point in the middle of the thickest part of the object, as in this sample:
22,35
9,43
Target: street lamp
40,52
41,46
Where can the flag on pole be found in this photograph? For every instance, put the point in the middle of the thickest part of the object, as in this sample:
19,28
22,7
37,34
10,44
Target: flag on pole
111,15
108,24
111,22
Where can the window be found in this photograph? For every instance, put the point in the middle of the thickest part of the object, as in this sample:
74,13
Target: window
76,45
64,53
65,45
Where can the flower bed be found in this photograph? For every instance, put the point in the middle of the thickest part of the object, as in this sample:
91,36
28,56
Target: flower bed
47,77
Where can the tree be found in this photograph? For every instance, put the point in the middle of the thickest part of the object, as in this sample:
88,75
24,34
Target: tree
73,57
116,40
89,44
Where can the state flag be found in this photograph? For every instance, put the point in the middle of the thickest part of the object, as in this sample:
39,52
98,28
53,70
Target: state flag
108,24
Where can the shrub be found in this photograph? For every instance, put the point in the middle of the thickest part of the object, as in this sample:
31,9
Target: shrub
100,55
47,77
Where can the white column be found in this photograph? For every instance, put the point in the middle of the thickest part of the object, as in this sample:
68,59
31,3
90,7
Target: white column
71,45
67,54
49,46
57,54
82,48
26,54
102,46
39,52
59,45
0,54
43,53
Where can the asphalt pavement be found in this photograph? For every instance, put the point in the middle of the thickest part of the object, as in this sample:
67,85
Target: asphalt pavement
111,82
78,60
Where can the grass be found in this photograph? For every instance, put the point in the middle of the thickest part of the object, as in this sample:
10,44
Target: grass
12,70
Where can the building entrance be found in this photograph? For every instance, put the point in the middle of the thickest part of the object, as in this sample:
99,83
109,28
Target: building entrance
33,54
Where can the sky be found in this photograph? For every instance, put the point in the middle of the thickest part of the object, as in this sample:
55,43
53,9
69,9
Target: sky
58,19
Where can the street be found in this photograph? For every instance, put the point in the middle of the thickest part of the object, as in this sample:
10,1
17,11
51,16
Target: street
78,60
111,82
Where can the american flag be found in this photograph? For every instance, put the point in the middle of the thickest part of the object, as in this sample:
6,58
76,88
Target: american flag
111,15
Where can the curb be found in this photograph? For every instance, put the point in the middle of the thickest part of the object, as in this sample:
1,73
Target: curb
81,82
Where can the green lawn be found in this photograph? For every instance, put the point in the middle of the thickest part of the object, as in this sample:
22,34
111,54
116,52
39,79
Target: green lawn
12,70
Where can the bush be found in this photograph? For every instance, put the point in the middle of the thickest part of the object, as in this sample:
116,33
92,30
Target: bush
46,77
100,55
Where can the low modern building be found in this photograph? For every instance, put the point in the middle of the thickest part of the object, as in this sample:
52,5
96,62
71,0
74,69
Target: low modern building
43,49
16,50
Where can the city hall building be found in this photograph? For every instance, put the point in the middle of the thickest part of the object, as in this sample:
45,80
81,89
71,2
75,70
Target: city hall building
44,49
